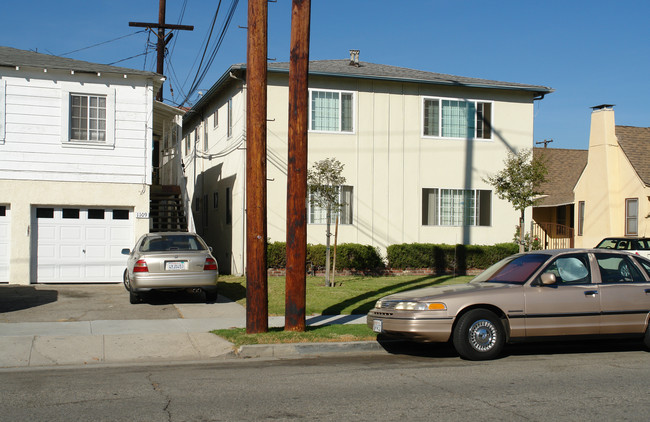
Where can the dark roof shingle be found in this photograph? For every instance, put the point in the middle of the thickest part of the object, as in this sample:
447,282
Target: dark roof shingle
635,143
12,57
564,169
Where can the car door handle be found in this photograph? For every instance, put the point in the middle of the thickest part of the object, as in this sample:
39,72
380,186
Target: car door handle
591,292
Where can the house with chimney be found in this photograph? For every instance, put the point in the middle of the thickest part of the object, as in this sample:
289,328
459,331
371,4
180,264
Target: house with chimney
415,146
612,195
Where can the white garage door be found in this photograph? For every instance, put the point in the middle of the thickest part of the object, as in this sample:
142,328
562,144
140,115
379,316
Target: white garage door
82,245
4,244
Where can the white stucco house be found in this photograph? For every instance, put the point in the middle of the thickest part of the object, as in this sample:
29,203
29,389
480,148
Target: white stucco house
76,145
416,146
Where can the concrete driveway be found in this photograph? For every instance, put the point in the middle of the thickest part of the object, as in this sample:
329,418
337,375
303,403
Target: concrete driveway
92,302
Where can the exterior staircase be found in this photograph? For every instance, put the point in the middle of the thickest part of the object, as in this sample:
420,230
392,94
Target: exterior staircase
166,209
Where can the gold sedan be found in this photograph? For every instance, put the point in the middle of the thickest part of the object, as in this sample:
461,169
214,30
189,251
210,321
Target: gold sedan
536,295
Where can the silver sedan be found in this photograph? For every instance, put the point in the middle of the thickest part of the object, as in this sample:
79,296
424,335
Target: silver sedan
170,261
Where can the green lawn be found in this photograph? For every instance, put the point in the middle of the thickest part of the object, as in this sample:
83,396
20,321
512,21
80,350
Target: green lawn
352,294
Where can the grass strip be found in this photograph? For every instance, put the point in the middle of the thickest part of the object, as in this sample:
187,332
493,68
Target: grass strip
351,295
313,334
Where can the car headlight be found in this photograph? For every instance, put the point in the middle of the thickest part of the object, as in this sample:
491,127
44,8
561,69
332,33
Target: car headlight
378,304
421,306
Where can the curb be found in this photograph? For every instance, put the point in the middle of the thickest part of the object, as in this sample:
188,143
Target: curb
289,350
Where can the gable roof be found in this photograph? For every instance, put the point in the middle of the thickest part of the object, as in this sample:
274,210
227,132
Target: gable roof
12,57
635,143
564,169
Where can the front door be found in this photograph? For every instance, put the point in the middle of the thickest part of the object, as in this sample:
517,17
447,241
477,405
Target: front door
571,306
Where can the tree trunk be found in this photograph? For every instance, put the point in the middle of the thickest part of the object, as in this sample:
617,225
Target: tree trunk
521,232
336,237
327,247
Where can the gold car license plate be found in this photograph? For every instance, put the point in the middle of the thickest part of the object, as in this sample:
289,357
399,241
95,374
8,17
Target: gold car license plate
175,265
377,325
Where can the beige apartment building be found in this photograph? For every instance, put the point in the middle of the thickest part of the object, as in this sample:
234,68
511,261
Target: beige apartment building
416,147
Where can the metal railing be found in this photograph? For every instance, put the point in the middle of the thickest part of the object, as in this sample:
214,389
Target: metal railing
552,235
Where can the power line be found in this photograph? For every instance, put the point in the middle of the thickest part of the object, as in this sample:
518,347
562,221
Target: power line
201,73
101,43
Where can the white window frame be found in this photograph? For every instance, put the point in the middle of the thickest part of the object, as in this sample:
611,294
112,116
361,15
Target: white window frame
476,123
215,119
634,217
3,110
340,117
66,92
313,209
581,217
454,220
229,117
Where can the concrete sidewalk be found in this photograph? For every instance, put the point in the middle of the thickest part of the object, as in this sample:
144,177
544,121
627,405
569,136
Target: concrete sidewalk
53,337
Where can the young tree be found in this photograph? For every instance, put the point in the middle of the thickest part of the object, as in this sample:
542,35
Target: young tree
324,180
519,183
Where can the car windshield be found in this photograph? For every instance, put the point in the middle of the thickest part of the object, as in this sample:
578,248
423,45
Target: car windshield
516,269
175,242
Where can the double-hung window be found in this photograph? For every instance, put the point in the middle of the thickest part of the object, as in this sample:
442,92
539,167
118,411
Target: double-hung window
631,216
456,118
331,111
456,207
88,118
318,214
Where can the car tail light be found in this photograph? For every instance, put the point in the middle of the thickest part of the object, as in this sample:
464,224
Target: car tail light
141,267
210,264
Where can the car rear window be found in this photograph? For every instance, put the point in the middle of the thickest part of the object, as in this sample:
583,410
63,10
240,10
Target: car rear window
180,242
516,269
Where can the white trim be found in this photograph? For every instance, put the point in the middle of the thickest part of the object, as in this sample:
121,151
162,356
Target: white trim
3,110
354,112
66,91
475,101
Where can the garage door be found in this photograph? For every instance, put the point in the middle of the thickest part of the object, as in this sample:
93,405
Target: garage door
82,245
4,244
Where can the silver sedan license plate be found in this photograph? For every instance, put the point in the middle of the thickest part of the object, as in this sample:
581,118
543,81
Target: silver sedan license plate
174,265
377,325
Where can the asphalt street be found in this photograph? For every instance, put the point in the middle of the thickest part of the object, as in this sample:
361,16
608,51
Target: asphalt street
540,384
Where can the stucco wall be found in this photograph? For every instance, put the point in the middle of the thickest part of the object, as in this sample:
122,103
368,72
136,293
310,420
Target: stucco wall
24,196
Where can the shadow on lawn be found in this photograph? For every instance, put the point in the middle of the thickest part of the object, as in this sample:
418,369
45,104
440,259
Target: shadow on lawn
233,291
366,301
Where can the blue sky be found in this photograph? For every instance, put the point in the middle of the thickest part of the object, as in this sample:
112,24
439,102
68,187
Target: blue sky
590,52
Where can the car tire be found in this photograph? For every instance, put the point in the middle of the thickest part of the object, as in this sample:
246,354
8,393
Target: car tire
646,339
134,298
126,280
211,296
479,335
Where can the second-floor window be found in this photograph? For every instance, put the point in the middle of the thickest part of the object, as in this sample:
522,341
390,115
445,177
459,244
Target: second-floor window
331,111
88,117
230,117
456,118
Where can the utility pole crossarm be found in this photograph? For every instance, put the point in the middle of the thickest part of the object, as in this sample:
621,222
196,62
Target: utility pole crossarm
163,26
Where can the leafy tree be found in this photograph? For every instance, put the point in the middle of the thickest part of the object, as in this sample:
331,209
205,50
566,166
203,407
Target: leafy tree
519,183
324,180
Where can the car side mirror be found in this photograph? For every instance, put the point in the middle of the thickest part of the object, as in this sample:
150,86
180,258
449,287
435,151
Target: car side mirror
126,251
548,279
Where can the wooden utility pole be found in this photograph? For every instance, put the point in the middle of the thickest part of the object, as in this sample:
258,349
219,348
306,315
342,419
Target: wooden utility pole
295,296
257,320
162,42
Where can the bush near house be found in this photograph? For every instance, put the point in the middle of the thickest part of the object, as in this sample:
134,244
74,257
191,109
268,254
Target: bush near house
440,258
447,258
348,256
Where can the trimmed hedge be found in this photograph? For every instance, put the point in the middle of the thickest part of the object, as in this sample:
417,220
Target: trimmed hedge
440,257
444,258
348,256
